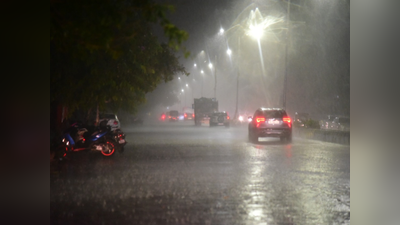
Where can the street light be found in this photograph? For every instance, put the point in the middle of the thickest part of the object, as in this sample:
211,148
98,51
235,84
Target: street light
256,31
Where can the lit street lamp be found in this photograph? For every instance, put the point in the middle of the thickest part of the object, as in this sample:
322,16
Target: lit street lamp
256,31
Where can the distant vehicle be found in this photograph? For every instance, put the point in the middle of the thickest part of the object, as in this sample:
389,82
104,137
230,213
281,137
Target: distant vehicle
340,123
163,117
188,115
204,107
327,123
173,115
112,118
219,118
181,116
300,119
270,122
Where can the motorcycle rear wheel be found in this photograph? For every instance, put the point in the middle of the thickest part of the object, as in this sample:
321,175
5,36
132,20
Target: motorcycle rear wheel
109,148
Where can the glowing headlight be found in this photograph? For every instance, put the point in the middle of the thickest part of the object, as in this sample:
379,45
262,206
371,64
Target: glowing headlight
240,118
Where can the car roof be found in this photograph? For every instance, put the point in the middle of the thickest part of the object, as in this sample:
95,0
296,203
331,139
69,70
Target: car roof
270,109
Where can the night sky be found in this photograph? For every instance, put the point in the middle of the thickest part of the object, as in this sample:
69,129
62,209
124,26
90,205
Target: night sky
318,68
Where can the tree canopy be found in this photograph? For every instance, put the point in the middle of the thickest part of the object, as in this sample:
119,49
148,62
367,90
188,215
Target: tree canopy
104,54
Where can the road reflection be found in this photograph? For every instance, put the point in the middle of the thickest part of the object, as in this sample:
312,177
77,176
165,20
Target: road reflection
267,202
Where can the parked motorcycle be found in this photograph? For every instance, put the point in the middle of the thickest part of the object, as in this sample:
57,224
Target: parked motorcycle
77,138
119,138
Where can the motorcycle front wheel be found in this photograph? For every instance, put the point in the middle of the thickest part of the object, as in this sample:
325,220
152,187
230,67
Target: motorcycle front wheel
109,148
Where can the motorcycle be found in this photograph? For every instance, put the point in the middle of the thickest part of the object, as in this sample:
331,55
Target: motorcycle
77,138
119,138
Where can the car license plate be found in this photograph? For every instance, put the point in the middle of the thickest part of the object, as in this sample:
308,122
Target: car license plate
274,122
121,141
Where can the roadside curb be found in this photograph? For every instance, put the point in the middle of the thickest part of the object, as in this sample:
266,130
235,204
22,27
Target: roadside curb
334,136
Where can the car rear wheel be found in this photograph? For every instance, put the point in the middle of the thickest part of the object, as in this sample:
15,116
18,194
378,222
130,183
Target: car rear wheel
287,139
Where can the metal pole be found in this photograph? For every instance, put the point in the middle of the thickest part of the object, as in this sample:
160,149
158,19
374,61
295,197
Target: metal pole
202,81
286,56
237,95
215,76
237,85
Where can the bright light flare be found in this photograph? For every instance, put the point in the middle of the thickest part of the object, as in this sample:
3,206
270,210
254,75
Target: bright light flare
258,25
256,31
240,118
229,52
210,65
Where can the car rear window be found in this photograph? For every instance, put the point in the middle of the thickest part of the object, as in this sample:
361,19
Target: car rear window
274,114
174,113
220,114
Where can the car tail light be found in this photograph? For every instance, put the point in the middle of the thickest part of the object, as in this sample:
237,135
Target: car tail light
260,119
287,120
115,122
185,115
227,117
193,115
169,116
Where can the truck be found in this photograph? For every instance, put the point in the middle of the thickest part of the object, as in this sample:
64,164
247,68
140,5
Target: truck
204,107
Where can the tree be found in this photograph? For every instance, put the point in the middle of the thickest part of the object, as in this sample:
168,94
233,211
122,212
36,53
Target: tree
103,53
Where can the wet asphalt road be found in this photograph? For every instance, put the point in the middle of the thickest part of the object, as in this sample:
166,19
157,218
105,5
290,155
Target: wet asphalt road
176,173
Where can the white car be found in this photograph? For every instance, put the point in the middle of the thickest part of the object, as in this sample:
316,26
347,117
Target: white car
113,120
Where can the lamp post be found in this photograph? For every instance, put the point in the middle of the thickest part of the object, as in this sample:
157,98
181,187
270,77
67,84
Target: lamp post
286,56
237,84
183,91
202,81
191,90
210,65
